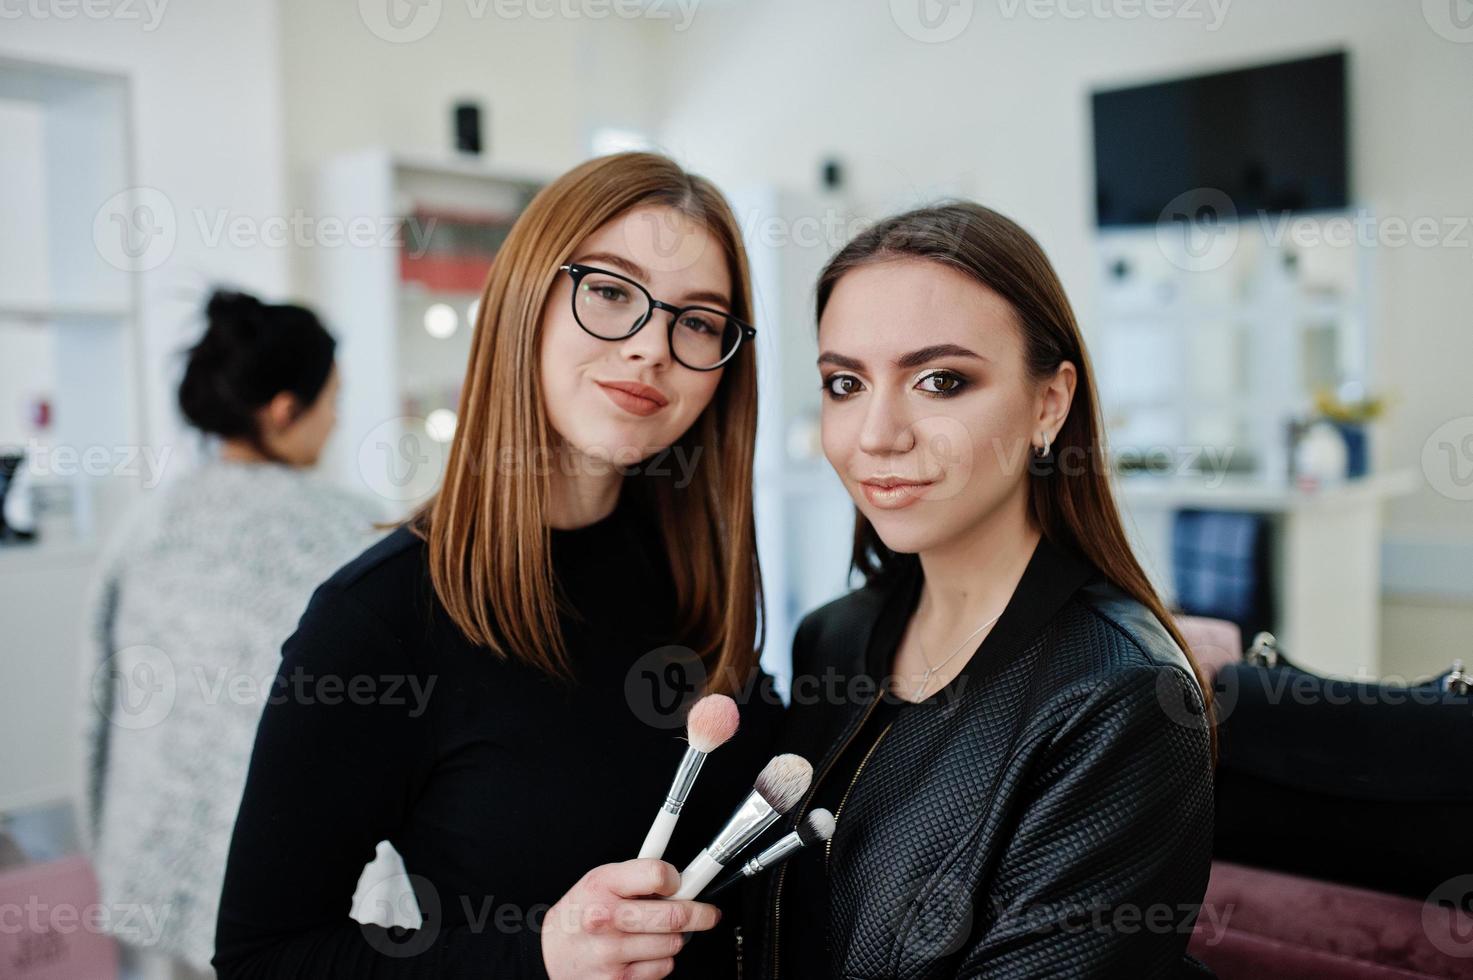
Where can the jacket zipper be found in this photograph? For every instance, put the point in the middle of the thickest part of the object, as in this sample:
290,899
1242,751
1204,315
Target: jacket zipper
777,892
828,845
739,952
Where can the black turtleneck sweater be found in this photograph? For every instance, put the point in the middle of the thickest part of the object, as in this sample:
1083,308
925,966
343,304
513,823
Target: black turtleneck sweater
498,785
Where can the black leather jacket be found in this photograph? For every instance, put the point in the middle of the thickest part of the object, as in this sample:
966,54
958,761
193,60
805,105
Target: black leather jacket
1048,816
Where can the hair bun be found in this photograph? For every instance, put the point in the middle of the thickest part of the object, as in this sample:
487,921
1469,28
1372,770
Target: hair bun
226,303
251,351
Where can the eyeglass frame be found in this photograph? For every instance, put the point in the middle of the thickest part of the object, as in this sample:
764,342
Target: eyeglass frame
578,270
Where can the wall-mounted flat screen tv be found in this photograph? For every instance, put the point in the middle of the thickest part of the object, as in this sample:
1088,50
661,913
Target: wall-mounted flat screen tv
1272,138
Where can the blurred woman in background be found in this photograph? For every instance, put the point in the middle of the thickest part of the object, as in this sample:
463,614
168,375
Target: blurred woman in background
195,595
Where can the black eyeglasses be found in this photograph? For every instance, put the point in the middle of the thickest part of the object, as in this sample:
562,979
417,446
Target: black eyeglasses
614,307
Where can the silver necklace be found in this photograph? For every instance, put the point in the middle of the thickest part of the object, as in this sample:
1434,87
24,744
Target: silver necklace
931,670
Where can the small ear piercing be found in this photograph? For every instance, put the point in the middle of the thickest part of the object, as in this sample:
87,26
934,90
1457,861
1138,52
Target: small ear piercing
1041,451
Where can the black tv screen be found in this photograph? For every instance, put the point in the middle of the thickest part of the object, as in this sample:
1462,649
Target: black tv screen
1271,138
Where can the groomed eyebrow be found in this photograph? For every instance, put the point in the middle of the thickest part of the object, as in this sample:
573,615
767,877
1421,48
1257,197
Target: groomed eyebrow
913,359
636,271
629,267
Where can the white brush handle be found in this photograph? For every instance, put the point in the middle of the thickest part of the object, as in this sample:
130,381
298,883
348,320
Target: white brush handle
697,875
658,838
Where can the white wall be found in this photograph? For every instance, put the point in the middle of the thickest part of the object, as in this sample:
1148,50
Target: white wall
205,107
235,104
23,270
207,128
1000,112
544,83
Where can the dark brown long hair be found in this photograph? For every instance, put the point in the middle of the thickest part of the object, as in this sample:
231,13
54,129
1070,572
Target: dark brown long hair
1072,507
487,527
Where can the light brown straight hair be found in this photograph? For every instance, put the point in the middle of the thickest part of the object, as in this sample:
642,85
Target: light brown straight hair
1074,508
487,526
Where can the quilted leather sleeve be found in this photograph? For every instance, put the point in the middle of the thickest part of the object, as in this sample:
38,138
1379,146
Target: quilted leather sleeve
1106,870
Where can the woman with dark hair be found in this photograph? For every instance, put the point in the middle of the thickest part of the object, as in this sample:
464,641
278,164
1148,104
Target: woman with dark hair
193,599
1028,790
592,538
262,380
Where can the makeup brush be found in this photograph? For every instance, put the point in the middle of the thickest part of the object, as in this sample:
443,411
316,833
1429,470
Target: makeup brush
711,723
817,827
780,785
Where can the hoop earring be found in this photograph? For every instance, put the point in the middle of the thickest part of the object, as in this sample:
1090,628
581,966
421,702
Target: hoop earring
1041,451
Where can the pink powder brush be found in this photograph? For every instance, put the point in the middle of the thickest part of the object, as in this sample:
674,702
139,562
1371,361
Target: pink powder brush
711,723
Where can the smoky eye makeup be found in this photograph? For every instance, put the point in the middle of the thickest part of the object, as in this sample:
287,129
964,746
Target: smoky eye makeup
935,383
838,386
942,383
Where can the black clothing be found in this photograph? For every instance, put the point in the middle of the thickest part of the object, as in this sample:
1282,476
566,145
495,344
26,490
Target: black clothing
806,880
1047,813
498,785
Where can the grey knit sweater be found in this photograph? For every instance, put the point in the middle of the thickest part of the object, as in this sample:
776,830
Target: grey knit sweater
191,604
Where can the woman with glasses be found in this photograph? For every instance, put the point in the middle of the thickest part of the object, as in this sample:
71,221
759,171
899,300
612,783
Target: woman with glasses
498,687
1029,791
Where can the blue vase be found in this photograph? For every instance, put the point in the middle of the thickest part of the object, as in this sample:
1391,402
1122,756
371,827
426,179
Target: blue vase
1357,448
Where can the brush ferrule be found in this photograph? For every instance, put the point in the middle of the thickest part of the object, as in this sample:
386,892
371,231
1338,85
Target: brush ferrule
747,824
775,853
685,779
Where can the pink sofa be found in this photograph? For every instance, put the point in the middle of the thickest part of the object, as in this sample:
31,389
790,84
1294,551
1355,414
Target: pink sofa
1262,924
1258,924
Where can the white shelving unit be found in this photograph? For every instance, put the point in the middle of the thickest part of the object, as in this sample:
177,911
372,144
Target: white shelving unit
1206,350
394,374
1221,345
69,329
